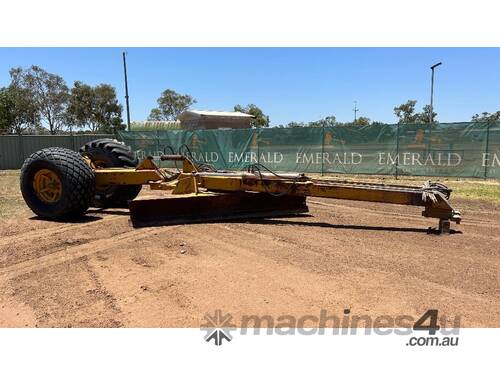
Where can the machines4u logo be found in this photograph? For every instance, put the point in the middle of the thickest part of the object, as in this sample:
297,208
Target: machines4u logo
218,327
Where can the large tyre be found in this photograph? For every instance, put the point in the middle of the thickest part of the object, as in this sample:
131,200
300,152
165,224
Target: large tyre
57,183
111,153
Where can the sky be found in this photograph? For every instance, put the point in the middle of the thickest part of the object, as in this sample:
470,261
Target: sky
288,84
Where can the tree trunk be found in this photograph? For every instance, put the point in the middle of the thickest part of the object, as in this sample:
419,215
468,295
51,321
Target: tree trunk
51,125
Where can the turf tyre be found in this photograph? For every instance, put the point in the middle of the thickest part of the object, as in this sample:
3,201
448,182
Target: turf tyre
76,178
111,153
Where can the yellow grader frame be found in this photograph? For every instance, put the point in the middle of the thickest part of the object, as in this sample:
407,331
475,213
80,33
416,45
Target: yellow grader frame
199,195
61,184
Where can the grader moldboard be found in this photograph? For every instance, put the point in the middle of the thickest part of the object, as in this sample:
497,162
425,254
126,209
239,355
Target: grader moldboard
60,184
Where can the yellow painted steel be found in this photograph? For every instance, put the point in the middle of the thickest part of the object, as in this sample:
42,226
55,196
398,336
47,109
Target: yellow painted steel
191,180
124,176
307,188
47,186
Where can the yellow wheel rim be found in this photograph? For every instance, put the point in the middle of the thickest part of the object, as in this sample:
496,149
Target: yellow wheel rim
47,186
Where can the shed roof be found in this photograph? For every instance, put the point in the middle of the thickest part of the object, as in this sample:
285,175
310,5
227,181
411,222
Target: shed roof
198,114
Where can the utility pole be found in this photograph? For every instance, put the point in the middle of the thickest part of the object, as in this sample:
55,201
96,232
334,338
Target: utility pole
126,90
431,120
355,110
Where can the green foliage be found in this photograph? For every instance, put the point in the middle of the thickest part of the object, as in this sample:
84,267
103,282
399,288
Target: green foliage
48,93
260,119
424,116
362,121
107,111
325,122
94,107
486,117
170,105
155,115
295,124
18,113
7,106
80,106
328,121
406,113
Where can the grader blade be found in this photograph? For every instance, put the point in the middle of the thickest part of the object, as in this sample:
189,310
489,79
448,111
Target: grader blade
210,206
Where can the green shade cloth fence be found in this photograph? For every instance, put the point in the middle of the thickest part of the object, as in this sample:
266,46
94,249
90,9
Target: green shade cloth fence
457,149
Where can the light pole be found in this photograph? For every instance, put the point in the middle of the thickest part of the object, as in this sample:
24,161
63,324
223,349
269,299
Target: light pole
431,120
126,90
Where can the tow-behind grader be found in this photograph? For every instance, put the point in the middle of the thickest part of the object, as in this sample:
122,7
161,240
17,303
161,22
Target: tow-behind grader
61,184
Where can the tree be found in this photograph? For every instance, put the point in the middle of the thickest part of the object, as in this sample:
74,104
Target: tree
407,115
486,117
424,116
328,121
406,112
6,111
107,110
48,92
260,120
80,107
17,111
170,105
295,124
94,107
362,121
155,115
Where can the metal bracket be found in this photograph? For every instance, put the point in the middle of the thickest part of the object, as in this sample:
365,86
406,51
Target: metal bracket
444,226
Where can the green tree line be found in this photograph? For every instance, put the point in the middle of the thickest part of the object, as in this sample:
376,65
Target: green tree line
37,101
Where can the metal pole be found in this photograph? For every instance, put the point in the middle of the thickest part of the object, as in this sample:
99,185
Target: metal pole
487,149
126,90
432,96
323,150
355,110
431,119
397,150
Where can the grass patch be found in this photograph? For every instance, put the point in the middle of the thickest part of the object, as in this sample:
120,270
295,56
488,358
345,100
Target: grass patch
468,188
485,191
11,200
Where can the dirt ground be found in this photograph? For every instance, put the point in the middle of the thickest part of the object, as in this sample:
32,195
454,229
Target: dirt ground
373,259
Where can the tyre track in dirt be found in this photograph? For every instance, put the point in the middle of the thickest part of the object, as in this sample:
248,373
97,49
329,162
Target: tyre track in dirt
27,233
308,282
52,240
363,261
68,254
375,260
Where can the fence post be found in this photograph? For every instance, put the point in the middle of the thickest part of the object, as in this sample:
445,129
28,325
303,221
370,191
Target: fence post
322,149
487,150
72,137
21,150
157,143
397,151
257,132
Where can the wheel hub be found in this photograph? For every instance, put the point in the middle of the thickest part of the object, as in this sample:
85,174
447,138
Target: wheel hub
47,186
